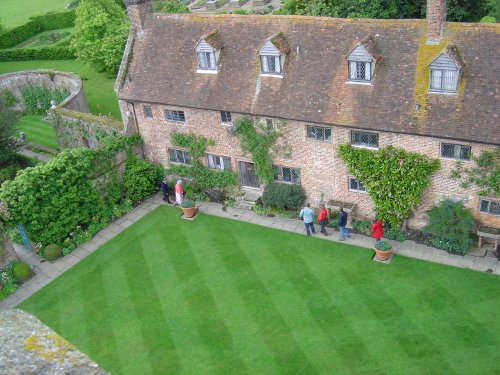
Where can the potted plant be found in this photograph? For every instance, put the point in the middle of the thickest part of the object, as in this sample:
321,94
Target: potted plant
382,250
189,208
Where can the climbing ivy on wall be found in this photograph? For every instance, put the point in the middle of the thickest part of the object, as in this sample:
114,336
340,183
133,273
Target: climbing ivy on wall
393,177
259,141
203,177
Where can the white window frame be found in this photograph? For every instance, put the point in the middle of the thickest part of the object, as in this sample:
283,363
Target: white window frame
438,74
461,147
315,138
225,113
353,69
264,65
206,61
175,115
218,162
357,190
364,145
186,158
144,111
278,170
489,204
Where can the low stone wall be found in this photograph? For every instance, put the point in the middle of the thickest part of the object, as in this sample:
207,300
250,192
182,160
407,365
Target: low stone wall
48,78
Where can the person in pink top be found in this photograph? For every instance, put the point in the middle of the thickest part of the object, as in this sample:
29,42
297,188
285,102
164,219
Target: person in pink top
179,192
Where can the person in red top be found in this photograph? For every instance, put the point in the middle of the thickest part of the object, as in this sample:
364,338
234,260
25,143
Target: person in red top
323,219
377,228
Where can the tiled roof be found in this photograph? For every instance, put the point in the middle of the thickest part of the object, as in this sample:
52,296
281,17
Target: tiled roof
280,42
213,38
314,87
452,51
369,45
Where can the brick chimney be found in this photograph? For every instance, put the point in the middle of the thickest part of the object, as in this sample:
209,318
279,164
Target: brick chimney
137,11
436,16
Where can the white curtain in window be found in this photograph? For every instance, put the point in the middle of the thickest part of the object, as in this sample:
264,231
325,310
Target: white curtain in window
449,80
436,76
352,69
270,64
368,71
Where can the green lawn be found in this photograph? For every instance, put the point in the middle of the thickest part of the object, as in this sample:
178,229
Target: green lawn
47,38
216,296
38,131
15,13
98,87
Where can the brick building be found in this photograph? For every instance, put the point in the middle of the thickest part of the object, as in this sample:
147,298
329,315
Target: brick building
424,85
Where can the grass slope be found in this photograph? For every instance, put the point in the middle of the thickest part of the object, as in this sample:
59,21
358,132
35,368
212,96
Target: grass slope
215,296
38,131
98,87
15,13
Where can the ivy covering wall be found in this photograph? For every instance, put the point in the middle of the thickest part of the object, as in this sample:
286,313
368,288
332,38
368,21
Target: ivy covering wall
393,177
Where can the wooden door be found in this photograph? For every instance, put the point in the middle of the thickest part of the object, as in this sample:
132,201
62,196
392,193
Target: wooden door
248,178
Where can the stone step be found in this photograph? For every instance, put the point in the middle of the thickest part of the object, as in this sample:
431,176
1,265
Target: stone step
244,205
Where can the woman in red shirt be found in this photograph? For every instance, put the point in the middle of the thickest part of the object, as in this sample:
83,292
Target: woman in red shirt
323,219
377,228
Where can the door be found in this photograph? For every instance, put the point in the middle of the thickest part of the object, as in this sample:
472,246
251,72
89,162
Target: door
248,178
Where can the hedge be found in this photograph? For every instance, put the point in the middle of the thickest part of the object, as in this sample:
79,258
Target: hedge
37,24
40,53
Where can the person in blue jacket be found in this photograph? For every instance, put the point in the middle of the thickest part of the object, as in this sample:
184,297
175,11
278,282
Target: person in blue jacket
165,190
342,223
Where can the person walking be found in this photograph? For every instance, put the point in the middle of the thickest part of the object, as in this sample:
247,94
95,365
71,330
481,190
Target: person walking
342,223
307,214
323,219
165,190
179,192
377,230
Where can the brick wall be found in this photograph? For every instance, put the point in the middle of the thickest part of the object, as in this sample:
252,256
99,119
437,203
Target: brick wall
323,174
436,16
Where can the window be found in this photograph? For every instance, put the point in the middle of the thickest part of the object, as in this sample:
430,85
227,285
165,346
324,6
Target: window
175,115
226,117
355,185
179,156
222,163
443,80
360,71
270,64
461,152
489,207
206,61
364,139
319,133
148,112
286,174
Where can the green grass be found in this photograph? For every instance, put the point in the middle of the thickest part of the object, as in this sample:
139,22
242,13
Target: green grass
15,13
98,87
47,38
38,131
216,296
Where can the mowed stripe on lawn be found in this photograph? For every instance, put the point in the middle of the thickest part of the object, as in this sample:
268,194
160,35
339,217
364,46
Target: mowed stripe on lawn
219,296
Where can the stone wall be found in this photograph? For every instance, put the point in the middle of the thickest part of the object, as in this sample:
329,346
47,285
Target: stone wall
323,174
48,78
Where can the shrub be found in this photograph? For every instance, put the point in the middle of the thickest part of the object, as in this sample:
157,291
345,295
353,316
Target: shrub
383,245
35,25
7,98
394,234
7,281
362,226
52,252
187,204
450,226
59,52
21,271
283,196
36,99
141,178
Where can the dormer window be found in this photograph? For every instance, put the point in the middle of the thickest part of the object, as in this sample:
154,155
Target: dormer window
208,52
444,71
272,55
361,61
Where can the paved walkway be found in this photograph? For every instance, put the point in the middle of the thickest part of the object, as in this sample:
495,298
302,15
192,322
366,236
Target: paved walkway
47,271
35,155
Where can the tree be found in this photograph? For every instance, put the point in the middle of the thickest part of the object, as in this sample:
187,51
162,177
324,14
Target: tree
2,27
8,140
101,29
175,6
457,10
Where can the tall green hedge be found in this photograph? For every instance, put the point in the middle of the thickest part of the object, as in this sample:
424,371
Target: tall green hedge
41,53
35,25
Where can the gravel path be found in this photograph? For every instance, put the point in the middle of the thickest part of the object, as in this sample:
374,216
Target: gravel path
27,346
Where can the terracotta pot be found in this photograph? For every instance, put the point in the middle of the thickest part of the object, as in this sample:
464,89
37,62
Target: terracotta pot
382,255
189,211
